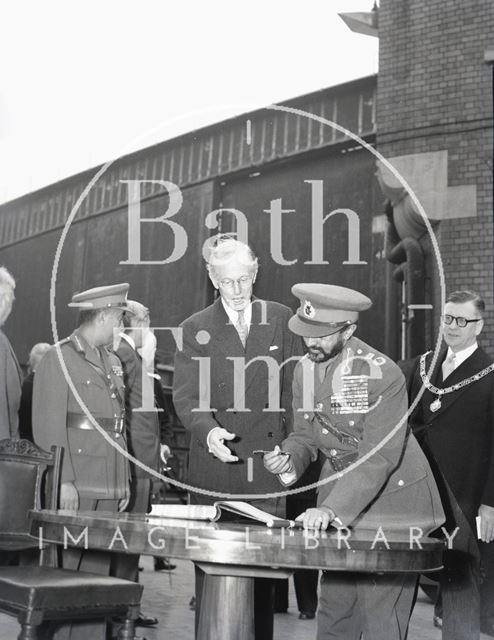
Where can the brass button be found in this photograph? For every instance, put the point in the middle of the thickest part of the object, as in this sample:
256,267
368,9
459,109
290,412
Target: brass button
306,416
332,452
319,406
79,450
117,435
401,483
88,381
325,431
113,395
351,422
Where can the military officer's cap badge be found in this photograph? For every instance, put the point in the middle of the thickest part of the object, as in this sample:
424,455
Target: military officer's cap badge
325,309
309,310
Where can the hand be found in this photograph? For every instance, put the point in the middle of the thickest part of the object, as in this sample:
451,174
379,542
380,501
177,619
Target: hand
486,514
216,438
165,452
69,496
123,503
277,461
316,518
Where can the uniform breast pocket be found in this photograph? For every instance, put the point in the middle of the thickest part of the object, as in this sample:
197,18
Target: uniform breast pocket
93,393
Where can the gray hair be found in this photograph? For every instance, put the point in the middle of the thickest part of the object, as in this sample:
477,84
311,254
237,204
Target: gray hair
225,248
7,297
135,314
36,353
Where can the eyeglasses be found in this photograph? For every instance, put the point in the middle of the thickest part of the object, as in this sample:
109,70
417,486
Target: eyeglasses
243,281
461,322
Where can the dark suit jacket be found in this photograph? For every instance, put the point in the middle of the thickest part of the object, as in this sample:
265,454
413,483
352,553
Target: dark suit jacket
256,427
143,432
26,408
10,389
458,438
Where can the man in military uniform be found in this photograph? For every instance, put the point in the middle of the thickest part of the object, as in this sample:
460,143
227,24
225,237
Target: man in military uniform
350,403
94,472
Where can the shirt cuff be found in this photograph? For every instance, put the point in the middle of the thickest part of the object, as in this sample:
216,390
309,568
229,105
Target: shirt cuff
208,439
288,477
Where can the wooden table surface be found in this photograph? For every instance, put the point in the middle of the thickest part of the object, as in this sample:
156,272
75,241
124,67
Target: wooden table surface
232,554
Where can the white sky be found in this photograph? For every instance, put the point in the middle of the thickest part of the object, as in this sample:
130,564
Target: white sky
83,81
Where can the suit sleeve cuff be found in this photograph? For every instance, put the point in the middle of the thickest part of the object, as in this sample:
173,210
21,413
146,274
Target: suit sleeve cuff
288,478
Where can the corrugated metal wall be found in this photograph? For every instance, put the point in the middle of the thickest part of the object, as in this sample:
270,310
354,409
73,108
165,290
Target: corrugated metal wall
222,165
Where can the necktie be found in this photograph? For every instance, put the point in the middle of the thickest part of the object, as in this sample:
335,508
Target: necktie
241,327
449,365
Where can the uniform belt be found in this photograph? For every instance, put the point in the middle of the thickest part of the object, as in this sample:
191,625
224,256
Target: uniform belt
112,425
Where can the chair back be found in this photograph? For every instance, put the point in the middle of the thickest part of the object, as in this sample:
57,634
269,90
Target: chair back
29,479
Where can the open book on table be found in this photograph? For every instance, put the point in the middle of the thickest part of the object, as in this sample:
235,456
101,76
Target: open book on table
214,512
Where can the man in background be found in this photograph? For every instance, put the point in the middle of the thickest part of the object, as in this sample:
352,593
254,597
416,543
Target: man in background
10,371
26,407
454,423
142,429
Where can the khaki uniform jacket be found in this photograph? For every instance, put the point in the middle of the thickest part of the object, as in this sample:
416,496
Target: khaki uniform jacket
91,461
363,394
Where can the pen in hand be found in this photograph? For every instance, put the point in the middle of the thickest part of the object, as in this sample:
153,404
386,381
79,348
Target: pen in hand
264,451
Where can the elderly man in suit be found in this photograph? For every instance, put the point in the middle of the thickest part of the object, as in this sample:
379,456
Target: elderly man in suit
454,422
229,415
10,372
350,404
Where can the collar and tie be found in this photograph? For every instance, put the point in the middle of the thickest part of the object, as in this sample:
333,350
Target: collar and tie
449,365
242,328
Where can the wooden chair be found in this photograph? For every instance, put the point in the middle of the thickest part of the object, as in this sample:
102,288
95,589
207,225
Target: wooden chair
43,593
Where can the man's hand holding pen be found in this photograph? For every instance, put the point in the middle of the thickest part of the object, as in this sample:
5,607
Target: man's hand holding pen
278,461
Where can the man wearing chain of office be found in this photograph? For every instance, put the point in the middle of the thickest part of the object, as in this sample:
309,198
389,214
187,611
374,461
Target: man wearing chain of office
454,422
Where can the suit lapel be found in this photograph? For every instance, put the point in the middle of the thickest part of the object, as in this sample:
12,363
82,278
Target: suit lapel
258,341
469,367
17,365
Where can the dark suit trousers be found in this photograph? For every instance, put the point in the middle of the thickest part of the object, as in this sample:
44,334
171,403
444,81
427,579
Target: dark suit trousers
305,580
93,562
460,582
487,585
126,565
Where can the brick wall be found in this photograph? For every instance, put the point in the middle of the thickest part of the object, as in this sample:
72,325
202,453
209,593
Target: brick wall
435,93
